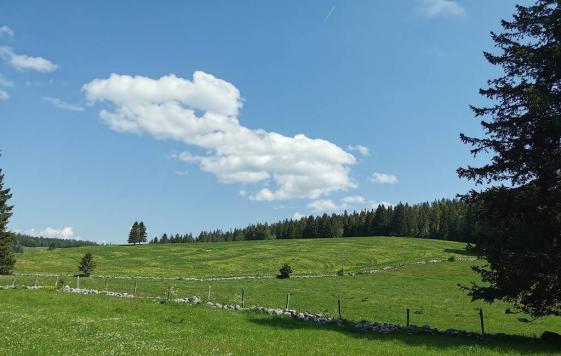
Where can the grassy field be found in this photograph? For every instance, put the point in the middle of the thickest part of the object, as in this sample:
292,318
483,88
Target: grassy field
239,258
429,290
48,322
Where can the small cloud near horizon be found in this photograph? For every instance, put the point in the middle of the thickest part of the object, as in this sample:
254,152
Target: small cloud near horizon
383,178
440,8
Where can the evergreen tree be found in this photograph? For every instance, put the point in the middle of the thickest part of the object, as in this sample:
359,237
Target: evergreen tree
141,234
7,259
133,233
523,136
87,265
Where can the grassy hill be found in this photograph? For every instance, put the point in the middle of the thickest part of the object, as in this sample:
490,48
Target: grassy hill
429,290
240,258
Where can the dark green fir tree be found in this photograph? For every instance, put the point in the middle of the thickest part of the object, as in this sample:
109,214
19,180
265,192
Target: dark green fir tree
520,202
7,259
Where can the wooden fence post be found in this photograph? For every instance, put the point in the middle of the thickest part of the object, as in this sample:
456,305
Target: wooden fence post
56,282
339,307
14,283
481,320
105,286
169,292
135,286
78,282
243,298
407,317
209,293
36,277
287,301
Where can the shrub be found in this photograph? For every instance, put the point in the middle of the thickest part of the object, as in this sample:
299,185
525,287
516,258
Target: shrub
340,272
87,265
52,246
452,258
285,271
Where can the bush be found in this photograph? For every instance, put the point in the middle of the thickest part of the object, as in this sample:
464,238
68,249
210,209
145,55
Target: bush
87,265
52,246
285,271
452,258
340,272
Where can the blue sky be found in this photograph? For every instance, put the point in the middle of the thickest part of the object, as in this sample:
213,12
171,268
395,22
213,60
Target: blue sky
219,113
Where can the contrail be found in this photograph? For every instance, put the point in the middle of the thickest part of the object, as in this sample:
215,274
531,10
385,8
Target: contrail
329,14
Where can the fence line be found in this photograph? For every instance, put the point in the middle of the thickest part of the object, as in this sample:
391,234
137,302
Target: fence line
286,311
362,271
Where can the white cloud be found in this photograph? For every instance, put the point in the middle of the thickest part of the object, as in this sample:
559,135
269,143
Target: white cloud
181,173
64,233
323,205
298,216
24,62
383,178
353,200
436,8
363,150
6,31
203,112
4,83
61,104
375,204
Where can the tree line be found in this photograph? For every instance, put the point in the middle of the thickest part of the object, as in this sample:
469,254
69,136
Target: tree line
19,241
445,219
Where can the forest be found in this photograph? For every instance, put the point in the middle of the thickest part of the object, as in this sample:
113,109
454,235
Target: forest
20,241
445,219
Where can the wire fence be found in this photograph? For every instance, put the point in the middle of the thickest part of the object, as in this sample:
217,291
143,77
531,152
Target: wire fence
252,293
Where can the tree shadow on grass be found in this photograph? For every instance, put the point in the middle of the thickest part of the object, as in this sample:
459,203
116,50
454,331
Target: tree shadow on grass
493,342
460,251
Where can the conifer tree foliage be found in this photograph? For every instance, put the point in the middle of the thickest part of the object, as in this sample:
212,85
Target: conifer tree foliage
445,219
521,212
87,265
7,259
133,233
137,233
141,234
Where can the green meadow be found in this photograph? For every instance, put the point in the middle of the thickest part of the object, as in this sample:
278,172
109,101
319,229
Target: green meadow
429,290
240,258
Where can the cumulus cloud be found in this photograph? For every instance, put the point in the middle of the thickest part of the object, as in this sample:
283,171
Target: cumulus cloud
356,202
375,204
203,112
4,83
298,216
357,199
383,178
6,31
64,233
61,104
24,62
181,173
363,150
323,205
436,8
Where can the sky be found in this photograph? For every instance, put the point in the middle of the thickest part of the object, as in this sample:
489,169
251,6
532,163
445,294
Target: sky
217,114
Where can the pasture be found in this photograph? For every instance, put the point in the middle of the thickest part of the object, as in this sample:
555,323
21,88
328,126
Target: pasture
429,289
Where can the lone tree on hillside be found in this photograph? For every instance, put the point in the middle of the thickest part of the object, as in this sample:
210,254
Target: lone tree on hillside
520,215
7,259
87,265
